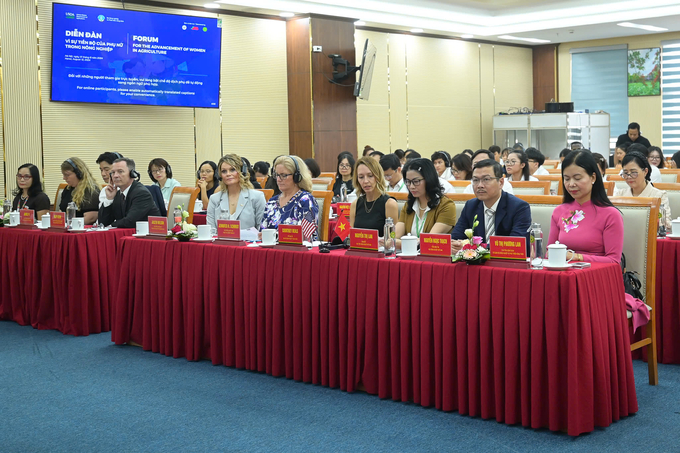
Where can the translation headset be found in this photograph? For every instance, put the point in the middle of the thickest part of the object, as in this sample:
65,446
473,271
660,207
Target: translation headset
297,177
447,158
216,180
168,173
244,167
76,170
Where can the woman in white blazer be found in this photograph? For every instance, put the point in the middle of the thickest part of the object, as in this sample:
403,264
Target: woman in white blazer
237,200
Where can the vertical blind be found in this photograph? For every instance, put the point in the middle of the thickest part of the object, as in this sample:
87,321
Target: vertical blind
599,81
670,96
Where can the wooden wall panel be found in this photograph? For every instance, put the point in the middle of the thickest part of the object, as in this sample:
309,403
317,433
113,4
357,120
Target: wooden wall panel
545,72
298,49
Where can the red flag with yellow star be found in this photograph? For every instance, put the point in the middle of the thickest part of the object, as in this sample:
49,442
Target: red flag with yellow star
342,228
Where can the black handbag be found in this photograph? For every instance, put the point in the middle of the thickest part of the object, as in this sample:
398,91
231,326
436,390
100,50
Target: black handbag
631,282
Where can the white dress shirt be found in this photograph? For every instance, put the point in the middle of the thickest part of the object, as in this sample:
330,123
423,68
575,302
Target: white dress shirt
106,202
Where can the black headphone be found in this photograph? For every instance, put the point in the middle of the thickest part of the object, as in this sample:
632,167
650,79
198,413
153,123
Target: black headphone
244,167
118,156
447,158
216,180
297,176
134,175
76,170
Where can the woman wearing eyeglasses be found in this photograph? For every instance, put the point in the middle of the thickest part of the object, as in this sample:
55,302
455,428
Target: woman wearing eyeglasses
81,189
427,209
517,167
161,174
295,203
236,198
29,192
637,174
656,157
344,173
208,181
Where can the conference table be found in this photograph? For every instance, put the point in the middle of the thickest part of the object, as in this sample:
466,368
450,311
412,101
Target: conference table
62,281
536,348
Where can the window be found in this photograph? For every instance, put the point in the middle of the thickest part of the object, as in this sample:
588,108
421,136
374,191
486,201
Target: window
670,96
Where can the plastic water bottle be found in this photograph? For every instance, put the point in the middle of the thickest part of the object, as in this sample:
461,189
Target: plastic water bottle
343,193
389,239
6,207
536,246
71,210
177,214
661,230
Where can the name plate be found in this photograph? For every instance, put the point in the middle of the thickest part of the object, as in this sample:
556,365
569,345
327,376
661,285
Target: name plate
363,239
343,209
26,217
158,226
435,244
290,234
229,229
508,248
58,220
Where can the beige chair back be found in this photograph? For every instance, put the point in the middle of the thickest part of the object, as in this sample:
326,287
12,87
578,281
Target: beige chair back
555,183
673,192
182,196
531,187
618,181
670,175
322,184
459,199
57,197
460,185
542,207
640,218
401,198
548,164
323,199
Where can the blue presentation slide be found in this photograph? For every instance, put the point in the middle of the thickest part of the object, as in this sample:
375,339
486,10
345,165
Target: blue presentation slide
118,56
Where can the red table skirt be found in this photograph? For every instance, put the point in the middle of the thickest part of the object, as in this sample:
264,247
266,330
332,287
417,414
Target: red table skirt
61,281
540,348
200,219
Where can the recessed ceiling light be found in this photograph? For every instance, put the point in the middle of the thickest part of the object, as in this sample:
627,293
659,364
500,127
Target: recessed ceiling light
641,27
287,14
211,5
467,36
517,38
416,30
359,23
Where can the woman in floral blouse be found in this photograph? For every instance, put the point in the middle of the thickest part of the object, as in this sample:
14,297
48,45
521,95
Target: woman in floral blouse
586,222
295,203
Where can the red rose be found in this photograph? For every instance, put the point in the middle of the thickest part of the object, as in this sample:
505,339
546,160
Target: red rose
469,247
176,229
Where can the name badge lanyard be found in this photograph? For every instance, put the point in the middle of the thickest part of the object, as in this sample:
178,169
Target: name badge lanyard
419,229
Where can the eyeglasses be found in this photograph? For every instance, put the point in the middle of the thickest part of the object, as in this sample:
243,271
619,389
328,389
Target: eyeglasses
413,182
345,166
282,176
532,161
205,172
388,177
454,171
654,158
484,181
24,177
158,171
511,162
631,175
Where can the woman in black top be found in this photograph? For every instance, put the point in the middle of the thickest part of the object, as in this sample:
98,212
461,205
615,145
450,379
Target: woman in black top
373,206
344,173
29,193
81,189
207,181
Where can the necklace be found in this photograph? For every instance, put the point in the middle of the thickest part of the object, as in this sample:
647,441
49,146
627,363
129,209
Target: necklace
24,199
368,210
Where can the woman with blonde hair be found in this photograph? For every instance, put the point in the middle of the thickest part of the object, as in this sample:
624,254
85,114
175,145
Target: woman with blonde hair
295,202
81,189
236,199
373,206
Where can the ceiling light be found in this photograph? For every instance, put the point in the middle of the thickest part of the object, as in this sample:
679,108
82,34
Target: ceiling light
467,36
211,5
416,30
517,38
287,14
641,27
359,23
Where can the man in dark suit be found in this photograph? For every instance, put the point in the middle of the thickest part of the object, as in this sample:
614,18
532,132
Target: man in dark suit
498,212
632,136
127,201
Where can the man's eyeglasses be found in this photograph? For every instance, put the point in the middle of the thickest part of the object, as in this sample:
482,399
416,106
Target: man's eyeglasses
631,175
24,177
282,176
483,181
413,182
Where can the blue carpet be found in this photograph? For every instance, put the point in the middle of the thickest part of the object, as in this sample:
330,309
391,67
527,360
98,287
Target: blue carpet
62,393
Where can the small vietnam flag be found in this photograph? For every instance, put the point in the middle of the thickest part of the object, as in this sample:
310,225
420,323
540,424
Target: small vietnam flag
342,228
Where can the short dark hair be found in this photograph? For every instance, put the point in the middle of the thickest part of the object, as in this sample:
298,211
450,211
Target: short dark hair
158,162
390,162
129,162
443,155
601,161
640,160
662,164
534,154
36,184
495,149
497,169
412,154
580,145
518,145
486,152
635,126
463,163
676,159
468,151
638,147
376,153
506,150
399,153
586,161
261,167
624,146
565,151
313,167
433,188
108,157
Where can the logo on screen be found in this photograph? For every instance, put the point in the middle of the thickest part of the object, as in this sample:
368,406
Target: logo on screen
184,27
70,16
205,28
101,18
194,28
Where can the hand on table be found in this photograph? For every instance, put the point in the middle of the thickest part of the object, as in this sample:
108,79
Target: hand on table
456,245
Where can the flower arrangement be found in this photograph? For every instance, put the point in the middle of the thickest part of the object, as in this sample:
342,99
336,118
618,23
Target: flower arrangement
184,231
474,250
